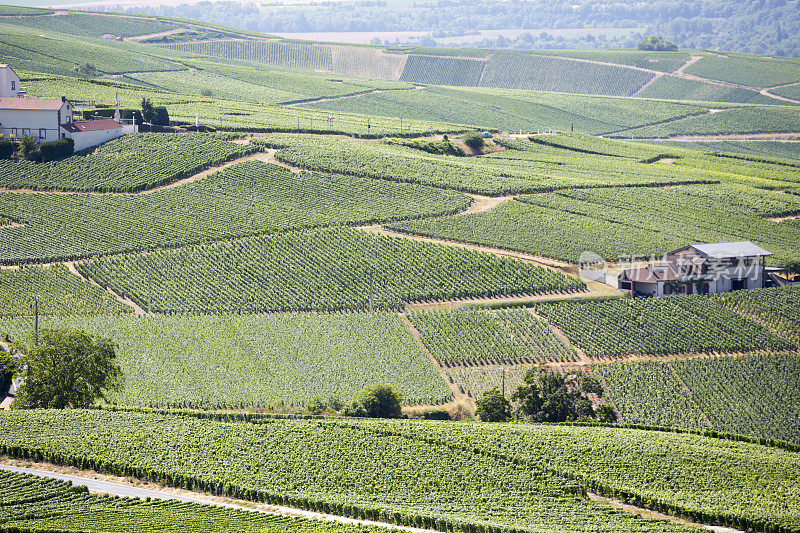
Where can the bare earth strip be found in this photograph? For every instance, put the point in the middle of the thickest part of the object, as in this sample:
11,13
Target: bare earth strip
178,183
782,219
107,484
485,203
690,396
125,301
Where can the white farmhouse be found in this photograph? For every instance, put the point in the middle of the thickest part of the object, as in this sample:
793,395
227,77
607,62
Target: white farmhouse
49,119
700,268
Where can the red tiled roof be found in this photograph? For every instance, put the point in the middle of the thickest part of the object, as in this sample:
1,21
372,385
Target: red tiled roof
92,125
35,104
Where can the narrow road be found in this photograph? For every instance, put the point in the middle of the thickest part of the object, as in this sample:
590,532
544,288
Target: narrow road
127,490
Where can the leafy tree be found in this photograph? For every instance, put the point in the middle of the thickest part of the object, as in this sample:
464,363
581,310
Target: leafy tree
316,406
493,407
148,114
67,368
473,139
552,397
28,148
606,414
87,69
654,42
8,370
380,400
793,267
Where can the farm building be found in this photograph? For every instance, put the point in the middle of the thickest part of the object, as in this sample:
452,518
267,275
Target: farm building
700,268
49,119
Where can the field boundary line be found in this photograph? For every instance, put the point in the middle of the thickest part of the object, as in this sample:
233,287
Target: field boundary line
457,395
104,484
586,360
689,394
171,185
137,310
646,85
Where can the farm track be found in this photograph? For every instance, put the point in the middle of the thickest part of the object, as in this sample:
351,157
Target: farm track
259,156
457,394
106,484
295,103
783,219
137,310
584,359
690,396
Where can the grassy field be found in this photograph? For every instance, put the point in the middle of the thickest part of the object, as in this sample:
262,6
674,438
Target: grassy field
528,477
771,149
674,88
749,70
246,199
60,293
754,394
232,361
321,270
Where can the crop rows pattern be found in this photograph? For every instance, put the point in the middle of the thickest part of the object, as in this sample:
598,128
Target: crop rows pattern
32,503
252,361
658,326
442,70
326,269
475,338
60,293
756,394
244,199
778,308
285,54
128,164
462,476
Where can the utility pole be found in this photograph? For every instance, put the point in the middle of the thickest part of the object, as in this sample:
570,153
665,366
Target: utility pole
370,291
149,292
36,319
504,381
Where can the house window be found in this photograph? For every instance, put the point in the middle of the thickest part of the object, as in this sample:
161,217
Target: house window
42,133
13,85
738,284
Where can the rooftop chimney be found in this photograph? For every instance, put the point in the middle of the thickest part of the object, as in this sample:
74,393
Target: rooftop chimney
63,98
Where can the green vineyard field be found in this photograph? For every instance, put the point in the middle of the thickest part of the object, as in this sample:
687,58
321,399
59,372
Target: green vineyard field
248,198
32,503
257,361
526,477
60,293
128,164
324,270
756,394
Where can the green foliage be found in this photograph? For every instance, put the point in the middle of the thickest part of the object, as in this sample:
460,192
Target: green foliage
675,88
680,324
442,70
380,400
444,147
756,394
547,396
66,368
657,44
32,503
248,198
778,307
60,292
95,24
475,337
130,163
284,54
28,148
6,148
327,269
473,140
749,70
493,407
529,477
622,222
60,148
531,72
256,361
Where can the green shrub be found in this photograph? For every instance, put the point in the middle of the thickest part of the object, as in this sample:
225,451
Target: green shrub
474,140
6,148
380,400
58,149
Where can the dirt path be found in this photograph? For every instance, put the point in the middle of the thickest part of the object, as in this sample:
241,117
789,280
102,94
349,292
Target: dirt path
129,487
689,395
691,61
789,136
295,103
646,85
457,395
125,301
138,38
783,219
584,359
268,156
260,156
647,513
485,203
552,264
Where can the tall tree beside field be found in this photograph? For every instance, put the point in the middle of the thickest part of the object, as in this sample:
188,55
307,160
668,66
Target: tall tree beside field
66,368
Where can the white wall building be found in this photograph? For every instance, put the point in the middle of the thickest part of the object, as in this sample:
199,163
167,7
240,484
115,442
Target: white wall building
49,119
702,269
